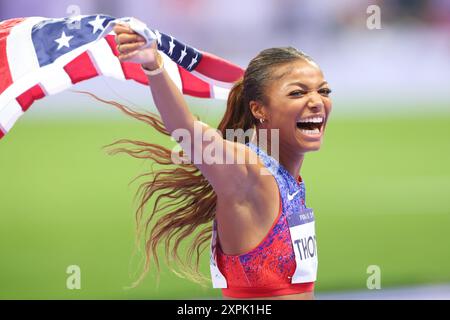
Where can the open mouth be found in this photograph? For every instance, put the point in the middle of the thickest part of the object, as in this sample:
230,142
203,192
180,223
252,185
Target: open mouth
311,125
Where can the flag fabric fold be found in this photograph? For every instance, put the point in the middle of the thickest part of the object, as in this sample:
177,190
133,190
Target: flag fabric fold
43,56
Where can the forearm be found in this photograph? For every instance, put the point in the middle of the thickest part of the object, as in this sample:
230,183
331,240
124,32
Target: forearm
170,103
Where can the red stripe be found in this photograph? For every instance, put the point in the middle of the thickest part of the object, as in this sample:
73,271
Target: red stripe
112,44
5,29
134,72
27,98
193,85
2,134
81,68
218,68
131,71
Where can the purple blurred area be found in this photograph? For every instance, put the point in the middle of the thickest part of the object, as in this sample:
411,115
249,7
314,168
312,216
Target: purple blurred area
406,61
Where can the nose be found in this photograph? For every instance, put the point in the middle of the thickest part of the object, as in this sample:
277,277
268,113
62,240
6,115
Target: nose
315,102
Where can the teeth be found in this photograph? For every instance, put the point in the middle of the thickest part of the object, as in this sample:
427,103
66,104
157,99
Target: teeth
315,131
314,120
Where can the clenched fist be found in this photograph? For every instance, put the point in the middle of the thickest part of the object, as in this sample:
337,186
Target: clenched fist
131,48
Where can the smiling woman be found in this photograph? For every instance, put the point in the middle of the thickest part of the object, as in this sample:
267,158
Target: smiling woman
299,96
263,235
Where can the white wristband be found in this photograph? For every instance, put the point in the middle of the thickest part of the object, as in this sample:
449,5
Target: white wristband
154,72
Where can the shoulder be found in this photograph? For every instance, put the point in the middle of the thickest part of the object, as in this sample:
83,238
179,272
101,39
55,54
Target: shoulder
248,175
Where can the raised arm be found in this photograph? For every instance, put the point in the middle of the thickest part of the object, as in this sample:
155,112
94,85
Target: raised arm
225,178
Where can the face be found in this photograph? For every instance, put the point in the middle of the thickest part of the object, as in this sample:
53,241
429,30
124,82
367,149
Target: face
298,104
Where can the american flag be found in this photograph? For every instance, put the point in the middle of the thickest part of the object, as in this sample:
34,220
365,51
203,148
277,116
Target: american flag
43,56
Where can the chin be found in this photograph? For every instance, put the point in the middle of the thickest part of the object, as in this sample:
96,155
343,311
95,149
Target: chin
307,146
311,147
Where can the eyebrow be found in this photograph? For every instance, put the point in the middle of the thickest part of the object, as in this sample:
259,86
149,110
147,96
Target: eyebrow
304,86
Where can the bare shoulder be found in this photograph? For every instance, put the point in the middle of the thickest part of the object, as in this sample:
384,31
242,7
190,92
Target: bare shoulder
246,213
241,175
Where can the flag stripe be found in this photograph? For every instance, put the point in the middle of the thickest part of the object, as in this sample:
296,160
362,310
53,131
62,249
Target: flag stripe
112,44
106,63
21,52
81,68
9,115
172,69
27,98
55,80
225,85
219,93
131,71
134,72
218,68
5,29
194,86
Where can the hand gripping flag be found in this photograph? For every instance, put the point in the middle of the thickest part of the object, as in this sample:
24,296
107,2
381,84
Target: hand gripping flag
41,56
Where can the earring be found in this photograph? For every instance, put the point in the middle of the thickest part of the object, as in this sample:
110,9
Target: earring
261,120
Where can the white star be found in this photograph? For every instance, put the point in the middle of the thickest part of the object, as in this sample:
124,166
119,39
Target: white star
172,45
97,24
194,61
63,41
183,54
158,37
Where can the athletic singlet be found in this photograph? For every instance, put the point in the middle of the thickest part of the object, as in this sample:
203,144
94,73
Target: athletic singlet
285,261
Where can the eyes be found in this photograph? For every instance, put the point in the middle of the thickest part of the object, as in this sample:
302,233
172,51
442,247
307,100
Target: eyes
325,92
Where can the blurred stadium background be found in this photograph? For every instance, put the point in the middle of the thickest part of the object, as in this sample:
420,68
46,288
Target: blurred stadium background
380,186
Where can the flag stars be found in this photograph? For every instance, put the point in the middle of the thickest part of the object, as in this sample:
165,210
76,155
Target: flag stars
183,54
194,61
63,41
158,37
97,24
172,45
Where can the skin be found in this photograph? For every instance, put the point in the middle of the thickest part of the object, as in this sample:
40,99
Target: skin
301,92
243,194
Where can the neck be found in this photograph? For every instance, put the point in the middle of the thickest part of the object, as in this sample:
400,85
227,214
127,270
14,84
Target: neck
291,161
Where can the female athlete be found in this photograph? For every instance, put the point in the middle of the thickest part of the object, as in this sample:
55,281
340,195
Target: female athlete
263,238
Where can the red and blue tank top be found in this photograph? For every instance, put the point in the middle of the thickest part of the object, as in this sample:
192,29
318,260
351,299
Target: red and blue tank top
285,261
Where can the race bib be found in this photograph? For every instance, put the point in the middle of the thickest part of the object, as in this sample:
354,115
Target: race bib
303,237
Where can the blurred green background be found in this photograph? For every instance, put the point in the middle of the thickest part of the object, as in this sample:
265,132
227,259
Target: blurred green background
379,187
